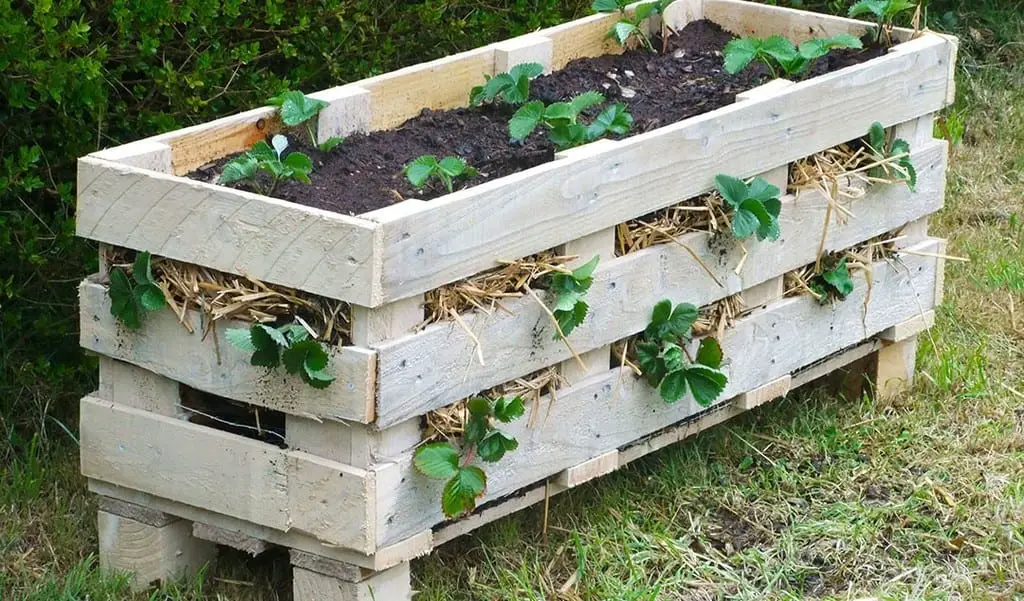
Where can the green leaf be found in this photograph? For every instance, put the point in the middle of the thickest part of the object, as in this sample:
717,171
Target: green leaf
420,169
863,7
673,386
762,190
770,230
585,271
706,384
297,108
614,118
623,30
476,428
453,166
672,355
238,169
605,6
733,190
266,357
757,208
318,379
495,86
526,70
745,223
142,268
779,48
709,353
559,111
510,410
839,279
299,163
662,312
644,11
461,492
274,334
649,360
739,53
876,138
494,446
585,100
330,143
479,406
240,338
123,304
525,120
151,297
438,460
683,318
567,135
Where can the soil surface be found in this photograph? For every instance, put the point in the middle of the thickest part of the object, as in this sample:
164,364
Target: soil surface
365,172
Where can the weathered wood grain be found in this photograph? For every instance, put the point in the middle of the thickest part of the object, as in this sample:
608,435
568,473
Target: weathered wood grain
150,553
436,367
230,230
466,232
605,413
228,474
163,346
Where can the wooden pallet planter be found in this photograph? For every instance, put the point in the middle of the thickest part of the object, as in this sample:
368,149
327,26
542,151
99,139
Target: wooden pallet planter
340,490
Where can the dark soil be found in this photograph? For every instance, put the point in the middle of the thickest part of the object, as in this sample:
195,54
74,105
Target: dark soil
365,172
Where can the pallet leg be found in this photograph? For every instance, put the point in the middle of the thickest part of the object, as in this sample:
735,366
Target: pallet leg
320,579
894,368
152,553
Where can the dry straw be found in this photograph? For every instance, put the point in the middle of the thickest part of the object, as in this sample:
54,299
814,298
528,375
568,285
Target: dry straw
702,214
221,296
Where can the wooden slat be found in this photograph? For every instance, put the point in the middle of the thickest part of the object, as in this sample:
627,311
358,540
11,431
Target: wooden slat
830,364
761,395
751,19
229,474
466,232
430,369
229,538
163,346
195,146
911,327
606,413
230,230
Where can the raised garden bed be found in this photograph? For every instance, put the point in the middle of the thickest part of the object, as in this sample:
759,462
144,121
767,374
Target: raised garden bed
421,300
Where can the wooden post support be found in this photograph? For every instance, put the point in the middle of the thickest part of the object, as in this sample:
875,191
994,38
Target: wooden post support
320,579
524,49
893,372
150,552
126,384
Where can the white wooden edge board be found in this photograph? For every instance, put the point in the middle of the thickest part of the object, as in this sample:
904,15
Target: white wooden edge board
165,347
609,411
229,474
412,251
437,366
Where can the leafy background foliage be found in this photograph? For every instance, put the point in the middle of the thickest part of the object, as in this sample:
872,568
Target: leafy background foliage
79,76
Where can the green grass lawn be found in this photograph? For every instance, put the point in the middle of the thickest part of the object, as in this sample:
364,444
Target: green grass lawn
810,497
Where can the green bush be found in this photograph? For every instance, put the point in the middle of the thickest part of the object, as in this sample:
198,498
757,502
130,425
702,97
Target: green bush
78,76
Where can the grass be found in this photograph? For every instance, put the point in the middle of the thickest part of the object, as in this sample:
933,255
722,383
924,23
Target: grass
917,498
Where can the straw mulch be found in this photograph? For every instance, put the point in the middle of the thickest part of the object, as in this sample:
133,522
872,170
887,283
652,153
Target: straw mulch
702,214
859,260
449,422
221,296
487,290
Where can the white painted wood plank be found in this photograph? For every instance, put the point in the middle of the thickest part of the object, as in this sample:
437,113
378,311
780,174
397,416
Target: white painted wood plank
530,48
435,367
348,111
609,412
229,538
911,327
230,230
163,346
391,585
134,386
588,470
193,147
466,232
228,474
752,19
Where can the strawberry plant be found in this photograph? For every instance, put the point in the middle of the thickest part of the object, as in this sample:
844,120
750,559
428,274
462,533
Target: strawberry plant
562,120
832,283
569,289
290,344
263,157
466,483
666,363
630,27
896,153
780,55
512,87
131,298
754,208
297,109
421,169
885,12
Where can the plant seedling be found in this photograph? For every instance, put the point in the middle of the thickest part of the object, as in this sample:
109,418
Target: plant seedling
885,12
290,344
569,289
131,298
833,283
270,159
296,109
780,55
512,87
630,27
444,461
421,169
667,365
755,207
889,152
562,120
